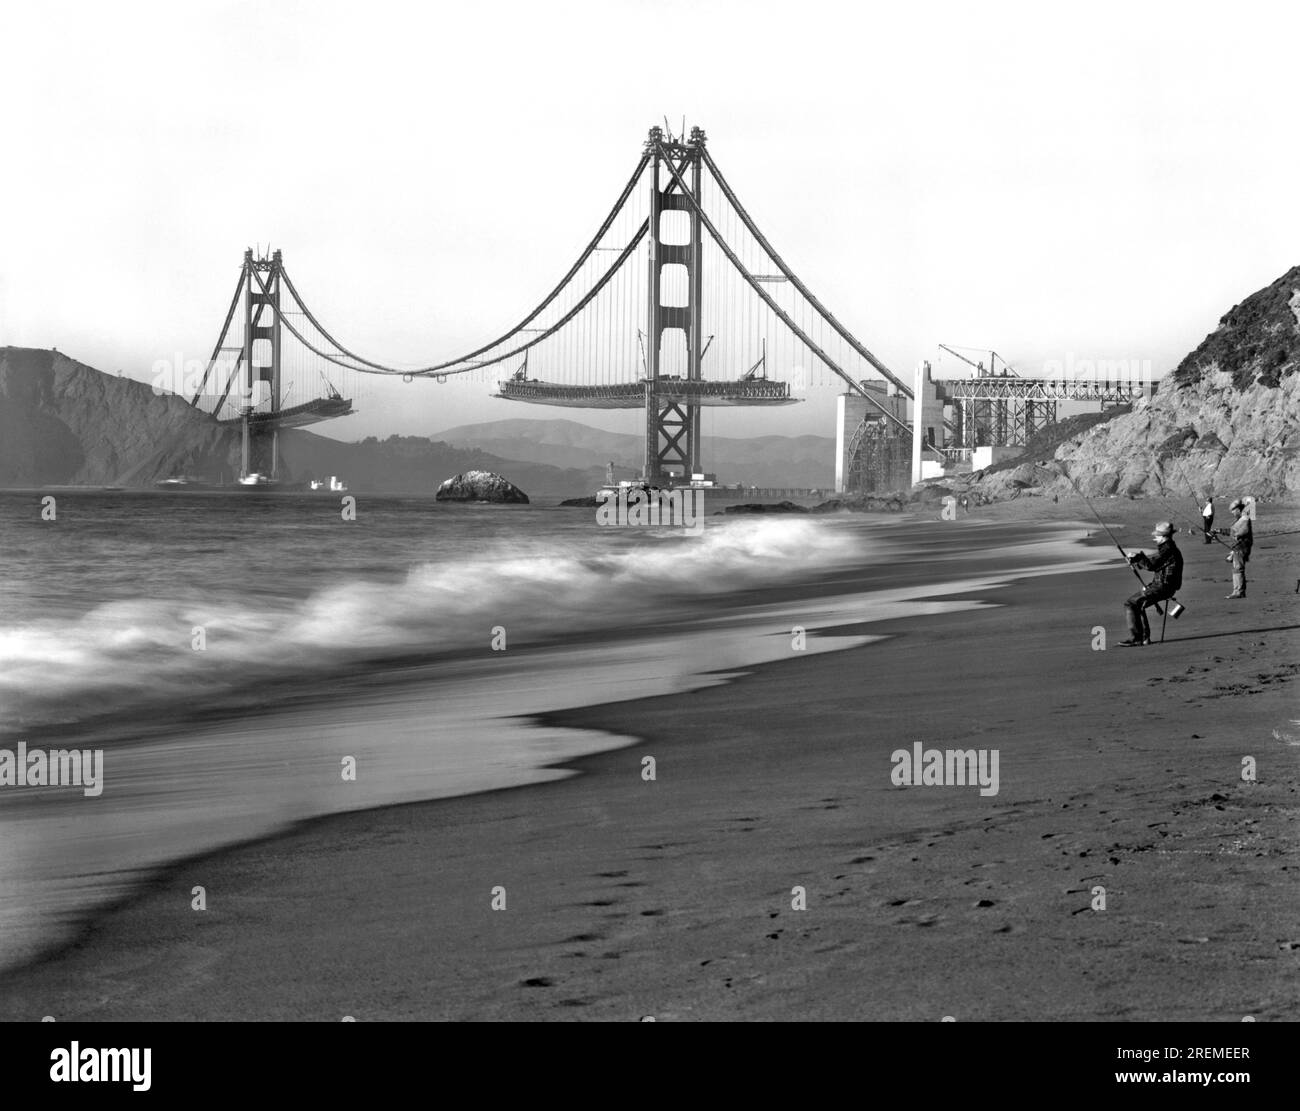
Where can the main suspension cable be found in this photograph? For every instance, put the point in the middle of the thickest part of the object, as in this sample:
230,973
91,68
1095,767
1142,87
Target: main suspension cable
586,254
781,313
577,308
794,278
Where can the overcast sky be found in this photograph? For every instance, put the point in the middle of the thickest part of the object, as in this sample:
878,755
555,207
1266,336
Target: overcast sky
1091,181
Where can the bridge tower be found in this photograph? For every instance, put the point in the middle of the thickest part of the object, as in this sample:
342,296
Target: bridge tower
260,442
672,441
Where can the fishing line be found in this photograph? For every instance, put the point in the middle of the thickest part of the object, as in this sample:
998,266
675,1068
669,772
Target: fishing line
1114,539
1192,490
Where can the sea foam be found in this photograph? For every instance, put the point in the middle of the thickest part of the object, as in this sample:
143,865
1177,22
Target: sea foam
130,653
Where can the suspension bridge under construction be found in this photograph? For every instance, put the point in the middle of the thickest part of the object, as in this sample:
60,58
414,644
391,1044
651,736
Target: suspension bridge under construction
677,303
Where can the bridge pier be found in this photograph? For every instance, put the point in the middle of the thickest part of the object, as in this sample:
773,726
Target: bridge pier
672,442
260,446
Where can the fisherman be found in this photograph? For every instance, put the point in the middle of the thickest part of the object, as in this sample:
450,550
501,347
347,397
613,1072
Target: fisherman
1207,518
1243,538
1167,564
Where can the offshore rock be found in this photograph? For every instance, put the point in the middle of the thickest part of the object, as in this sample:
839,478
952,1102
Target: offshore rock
861,503
767,507
481,486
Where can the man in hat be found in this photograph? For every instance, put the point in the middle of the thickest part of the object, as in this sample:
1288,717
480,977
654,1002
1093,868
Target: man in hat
1243,538
1167,564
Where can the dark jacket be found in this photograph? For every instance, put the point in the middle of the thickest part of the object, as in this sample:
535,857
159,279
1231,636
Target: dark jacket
1167,563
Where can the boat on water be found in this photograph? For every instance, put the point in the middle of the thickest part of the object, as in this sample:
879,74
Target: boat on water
335,485
184,482
614,487
255,479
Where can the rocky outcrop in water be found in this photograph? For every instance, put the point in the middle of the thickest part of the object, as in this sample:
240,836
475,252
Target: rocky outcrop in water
767,507
862,503
481,486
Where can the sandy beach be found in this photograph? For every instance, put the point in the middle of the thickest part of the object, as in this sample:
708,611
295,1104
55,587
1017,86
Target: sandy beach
672,898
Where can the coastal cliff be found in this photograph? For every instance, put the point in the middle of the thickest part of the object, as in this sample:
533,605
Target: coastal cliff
1226,421
64,423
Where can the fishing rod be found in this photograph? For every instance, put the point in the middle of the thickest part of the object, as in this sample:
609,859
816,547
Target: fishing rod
1192,529
1192,490
1114,540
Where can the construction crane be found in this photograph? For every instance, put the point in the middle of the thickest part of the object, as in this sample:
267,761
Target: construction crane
991,371
983,422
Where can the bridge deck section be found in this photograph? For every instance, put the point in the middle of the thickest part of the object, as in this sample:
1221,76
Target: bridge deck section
632,395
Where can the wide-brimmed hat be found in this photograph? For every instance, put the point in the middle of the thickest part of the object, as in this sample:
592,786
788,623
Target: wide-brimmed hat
1237,504
1163,528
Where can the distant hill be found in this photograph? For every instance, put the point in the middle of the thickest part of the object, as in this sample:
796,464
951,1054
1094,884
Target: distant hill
758,461
64,423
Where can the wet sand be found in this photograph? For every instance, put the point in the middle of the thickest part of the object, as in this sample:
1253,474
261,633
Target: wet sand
673,898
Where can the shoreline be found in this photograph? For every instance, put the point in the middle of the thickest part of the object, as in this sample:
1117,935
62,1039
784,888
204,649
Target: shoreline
496,717
744,749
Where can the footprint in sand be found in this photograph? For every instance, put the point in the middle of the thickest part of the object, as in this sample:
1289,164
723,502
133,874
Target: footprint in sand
836,946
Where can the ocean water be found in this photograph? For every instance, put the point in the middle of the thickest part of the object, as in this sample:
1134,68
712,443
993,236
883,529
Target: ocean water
230,652
100,609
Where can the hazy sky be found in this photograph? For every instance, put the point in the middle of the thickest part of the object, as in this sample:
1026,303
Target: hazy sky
1095,181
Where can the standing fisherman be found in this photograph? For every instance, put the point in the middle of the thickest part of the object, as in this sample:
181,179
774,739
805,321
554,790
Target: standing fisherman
1167,564
1243,537
1207,518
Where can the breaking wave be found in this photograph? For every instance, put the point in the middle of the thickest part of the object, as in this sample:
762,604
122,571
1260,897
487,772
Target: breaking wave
134,653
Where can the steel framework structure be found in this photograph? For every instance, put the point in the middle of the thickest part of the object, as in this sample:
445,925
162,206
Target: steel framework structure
1007,411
